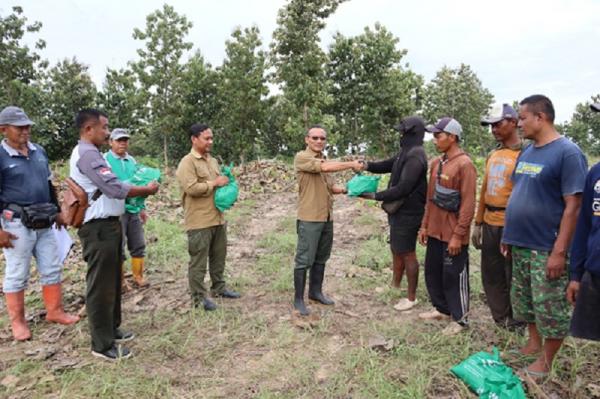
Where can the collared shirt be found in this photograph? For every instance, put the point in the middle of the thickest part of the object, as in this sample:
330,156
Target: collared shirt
497,185
24,179
124,168
315,195
90,170
458,173
195,175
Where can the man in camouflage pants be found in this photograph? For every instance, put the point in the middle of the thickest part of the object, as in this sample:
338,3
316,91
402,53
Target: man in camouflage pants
540,220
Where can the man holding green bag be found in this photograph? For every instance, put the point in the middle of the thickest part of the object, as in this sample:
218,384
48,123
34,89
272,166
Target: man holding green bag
123,165
315,211
199,176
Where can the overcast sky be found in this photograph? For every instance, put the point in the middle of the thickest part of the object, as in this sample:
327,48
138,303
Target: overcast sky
517,48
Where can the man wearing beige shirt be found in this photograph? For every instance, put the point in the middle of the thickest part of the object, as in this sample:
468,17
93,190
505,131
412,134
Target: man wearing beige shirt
199,176
315,210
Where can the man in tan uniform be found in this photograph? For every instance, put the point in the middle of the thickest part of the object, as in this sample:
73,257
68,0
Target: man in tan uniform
199,176
315,210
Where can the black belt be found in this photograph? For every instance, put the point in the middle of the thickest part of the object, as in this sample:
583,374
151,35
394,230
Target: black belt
107,219
494,208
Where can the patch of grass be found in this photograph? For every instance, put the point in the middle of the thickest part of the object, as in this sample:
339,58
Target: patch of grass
166,245
373,253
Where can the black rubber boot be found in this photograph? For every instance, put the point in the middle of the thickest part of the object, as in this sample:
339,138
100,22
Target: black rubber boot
299,284
315,286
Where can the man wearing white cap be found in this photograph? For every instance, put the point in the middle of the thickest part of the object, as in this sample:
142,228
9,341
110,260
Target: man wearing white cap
29,209
496,270
123,165
445,227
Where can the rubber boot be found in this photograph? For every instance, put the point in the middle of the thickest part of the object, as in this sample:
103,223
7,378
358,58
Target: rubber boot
315,286
15,304
54,309
124,283
137,269
299,284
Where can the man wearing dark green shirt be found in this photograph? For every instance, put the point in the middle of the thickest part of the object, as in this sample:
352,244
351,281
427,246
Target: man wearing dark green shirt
124,166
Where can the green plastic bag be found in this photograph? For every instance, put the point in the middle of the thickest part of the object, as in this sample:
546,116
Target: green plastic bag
225,196
142,176
489,377
360,184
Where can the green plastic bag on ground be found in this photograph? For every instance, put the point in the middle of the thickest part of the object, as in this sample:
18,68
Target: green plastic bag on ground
489,377
226,195
360,184
142,176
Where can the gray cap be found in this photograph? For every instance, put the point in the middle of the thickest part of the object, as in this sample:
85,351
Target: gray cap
498,113
119,133
446,125
14,116
595,107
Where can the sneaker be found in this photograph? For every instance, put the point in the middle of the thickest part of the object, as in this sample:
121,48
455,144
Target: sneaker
114,353
453,328
228,294
405,304
123,336
208,305
433,315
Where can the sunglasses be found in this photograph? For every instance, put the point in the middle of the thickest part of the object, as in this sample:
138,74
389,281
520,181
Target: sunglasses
318,138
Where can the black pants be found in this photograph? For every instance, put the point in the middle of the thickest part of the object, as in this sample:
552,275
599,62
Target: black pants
447,279
101,241
496,274
586,321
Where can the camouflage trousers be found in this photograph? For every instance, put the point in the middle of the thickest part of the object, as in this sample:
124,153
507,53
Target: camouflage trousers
535,298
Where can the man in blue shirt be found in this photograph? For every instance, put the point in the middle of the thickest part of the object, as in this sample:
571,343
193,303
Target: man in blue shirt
24,235
540,221
584,289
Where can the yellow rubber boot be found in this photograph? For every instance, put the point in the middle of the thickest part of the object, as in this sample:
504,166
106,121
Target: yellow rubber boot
137,269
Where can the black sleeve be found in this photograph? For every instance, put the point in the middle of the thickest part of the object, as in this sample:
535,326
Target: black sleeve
409,177
381,166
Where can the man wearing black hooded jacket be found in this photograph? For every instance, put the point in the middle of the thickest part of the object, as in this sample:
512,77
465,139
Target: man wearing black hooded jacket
404,201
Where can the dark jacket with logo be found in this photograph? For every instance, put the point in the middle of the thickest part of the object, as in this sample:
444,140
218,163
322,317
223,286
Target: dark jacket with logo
585,252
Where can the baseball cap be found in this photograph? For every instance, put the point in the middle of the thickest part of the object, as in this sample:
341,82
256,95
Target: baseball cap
446,125
497,113
119,133
14,116
595,107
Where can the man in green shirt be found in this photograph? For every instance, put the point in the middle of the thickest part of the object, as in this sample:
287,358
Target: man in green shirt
124,166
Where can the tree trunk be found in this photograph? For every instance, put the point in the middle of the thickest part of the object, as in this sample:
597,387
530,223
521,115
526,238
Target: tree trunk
166,153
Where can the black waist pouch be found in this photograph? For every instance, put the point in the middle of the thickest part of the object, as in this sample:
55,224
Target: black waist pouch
39,216
446,198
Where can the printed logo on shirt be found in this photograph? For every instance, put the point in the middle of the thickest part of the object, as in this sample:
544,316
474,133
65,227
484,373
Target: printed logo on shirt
597,186
529,169
596,206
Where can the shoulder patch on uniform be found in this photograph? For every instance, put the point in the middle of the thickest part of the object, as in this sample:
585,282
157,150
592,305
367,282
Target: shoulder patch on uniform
105,171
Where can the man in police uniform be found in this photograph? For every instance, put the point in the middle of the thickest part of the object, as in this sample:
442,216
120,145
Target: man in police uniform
101,235
315,211
21,237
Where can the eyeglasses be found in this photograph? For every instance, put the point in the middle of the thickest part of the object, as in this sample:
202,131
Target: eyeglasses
318,138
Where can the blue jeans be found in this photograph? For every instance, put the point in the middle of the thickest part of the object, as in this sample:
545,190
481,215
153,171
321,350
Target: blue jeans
39,243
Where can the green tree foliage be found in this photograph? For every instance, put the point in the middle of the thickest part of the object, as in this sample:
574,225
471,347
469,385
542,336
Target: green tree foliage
159,71
67,89
199,89
459,93
299,63
20,66
243,91
122,100
370,88
584,127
